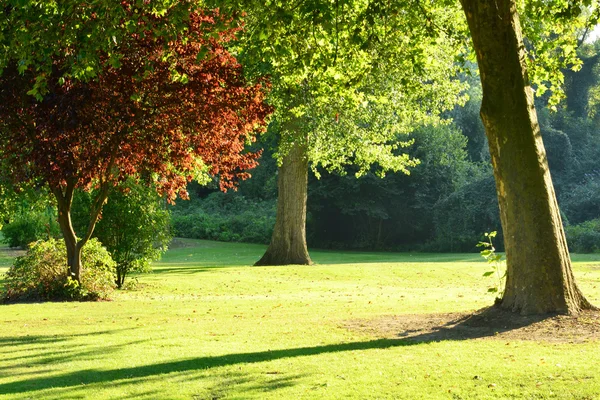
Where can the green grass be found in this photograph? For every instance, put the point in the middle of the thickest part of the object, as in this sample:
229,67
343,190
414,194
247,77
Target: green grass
206,325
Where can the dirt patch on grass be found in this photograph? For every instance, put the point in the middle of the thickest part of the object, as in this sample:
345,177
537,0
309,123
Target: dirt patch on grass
490,323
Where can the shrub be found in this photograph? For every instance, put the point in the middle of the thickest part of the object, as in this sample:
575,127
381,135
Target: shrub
42,274
585,237
582,203
29,227
135,226
461,218
225,217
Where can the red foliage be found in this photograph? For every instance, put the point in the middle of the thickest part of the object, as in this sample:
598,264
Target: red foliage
137,119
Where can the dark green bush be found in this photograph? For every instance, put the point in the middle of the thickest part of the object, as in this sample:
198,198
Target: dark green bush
29,227
42,274
582,203
225,217
463,217
584,237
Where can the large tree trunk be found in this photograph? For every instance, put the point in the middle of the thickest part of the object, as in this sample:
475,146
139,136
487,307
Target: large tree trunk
539,276
288,243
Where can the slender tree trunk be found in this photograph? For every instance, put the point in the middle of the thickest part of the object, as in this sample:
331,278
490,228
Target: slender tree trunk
64,200
120,275
288,243
539,275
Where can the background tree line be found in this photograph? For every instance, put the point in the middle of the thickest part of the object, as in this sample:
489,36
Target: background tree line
446,203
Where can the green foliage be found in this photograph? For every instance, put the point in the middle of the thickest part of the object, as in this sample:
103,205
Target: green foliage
227,217
460,217
41,274
584,237
135,226
580,86
582,203
495,261
349,78
28,214
553,30
467,119
88,35
31,226
393,212
558,150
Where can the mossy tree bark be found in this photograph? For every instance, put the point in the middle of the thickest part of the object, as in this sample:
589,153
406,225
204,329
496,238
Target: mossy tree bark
288,243
539,275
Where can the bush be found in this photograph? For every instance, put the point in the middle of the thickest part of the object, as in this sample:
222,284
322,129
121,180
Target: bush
135,227
225,217
30,227
585,237
462,218
582,203
42,274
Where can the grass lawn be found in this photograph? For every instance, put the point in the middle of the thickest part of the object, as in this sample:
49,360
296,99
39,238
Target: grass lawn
207,325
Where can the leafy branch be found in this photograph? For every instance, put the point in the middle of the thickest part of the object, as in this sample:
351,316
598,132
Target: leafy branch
495,261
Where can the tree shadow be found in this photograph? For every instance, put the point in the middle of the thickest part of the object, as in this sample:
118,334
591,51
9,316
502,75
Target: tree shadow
193,268
319,257
96,376
337,257
484,323
7,344
38,350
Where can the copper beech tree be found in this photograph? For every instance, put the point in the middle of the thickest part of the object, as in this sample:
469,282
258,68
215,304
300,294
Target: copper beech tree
164,111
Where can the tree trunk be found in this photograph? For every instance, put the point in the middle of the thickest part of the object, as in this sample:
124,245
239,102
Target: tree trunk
64,200
539,276
288,243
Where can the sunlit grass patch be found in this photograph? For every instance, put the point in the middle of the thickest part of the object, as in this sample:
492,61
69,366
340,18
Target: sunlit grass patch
206,324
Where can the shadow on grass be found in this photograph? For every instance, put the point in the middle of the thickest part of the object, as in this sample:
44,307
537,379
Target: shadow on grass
484,323
335,257
199,265
40,350
193,268
202,255
92,376
7,344
475,326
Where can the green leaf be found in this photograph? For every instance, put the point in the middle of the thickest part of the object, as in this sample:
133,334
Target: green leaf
202,54
488,273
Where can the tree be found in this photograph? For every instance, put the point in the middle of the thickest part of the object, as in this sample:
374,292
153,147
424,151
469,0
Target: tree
539,274
165,110
87,36
393,212
341,93
135,226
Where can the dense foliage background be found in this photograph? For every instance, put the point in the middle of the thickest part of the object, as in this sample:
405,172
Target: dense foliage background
446,203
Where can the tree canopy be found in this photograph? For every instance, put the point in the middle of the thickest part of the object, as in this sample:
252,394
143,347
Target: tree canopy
167,110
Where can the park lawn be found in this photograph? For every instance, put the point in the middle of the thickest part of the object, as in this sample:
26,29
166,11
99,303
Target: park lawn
207,325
